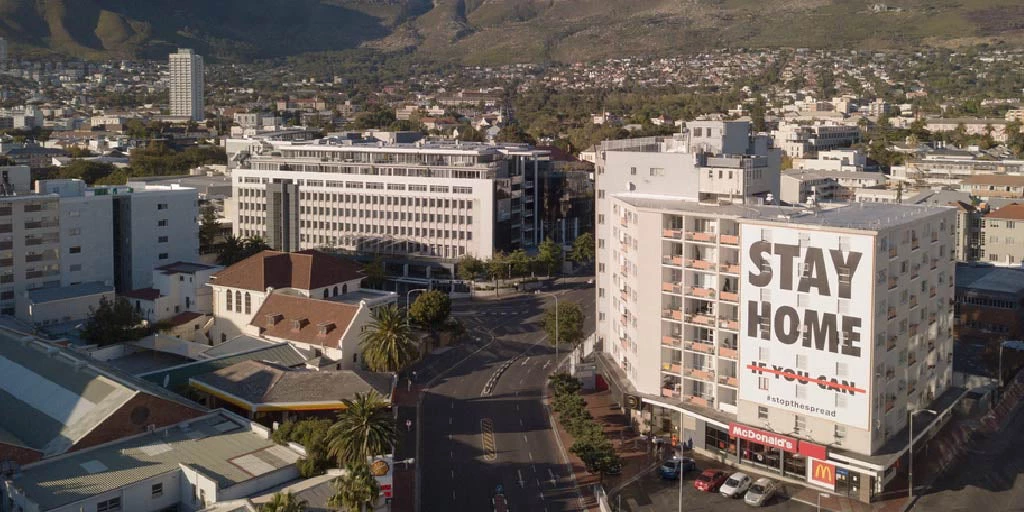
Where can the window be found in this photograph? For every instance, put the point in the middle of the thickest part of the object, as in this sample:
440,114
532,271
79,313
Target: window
161,240
75,250
157,490
632,171
762,413
77,267
762,383
227,303
799,425
839,432
111,505
161,223
162,256
657,171
238,301
161,206
248,303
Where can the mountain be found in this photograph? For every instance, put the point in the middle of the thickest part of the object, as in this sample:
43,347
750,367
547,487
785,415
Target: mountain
495,31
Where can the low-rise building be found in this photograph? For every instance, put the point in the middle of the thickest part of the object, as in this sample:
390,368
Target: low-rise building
1002,236
994,186
989,304
798,187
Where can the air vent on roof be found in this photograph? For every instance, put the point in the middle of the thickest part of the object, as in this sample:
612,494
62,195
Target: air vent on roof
273,319
325,327
298,324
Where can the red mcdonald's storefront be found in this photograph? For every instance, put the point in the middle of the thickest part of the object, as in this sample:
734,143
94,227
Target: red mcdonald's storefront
780,453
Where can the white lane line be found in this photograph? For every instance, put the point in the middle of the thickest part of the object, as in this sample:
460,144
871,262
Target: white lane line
449,420
453,404
521,380
520,422
517,407
453,474
453,495
542,495
533,466
527,358
525,440
522,483
552,475
531,460
451,454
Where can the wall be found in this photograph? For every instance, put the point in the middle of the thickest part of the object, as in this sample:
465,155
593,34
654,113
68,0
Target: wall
231,323
181,231
19,454
86,225
134,416
67,310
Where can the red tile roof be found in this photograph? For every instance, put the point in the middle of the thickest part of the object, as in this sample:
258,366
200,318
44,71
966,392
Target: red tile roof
305,270
299,319
1013,211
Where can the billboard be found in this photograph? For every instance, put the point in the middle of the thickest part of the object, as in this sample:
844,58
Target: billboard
381,467
805,315
821,473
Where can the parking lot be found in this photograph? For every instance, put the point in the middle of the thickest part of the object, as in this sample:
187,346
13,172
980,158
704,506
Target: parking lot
653,494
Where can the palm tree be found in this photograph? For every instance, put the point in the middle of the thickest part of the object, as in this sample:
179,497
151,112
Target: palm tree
354,489
284,502
365,428
386,344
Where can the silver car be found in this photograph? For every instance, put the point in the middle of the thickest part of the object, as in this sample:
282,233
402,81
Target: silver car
760,492
735,486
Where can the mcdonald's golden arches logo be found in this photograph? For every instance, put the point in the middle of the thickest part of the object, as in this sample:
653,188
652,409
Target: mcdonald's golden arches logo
822,473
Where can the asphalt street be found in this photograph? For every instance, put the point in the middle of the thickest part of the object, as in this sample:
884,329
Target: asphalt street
473,441
991,477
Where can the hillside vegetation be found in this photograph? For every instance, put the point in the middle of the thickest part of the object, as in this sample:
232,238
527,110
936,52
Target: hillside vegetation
495,31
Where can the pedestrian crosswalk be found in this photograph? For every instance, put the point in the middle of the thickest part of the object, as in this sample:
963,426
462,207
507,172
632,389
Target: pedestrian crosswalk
471,313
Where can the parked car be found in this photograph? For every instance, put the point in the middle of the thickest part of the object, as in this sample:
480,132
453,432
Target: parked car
760,493
736,485
710,480
672,469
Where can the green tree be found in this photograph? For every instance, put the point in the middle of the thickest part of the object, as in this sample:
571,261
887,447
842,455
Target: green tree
311,433
284,502
113,322
549,255
209,229
431,309
583,248
386,344
469,267
86,170
520,262
375,273
236,249
569,322
356,489
497,267
365,428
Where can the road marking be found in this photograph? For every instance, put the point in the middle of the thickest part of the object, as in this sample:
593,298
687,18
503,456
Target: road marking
531,459
533,466
487,439
525,440
553,479
517,407
451,454
449,420
542,495
546,364
521,381
453,495
520,422
453,474
522,483
453,404
524,361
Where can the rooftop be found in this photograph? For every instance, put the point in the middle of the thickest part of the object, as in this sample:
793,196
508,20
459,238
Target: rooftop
176,377
837,215
304,270
994,179
983,278
69,292
185,267
260,384
1013,211
222,446
304,320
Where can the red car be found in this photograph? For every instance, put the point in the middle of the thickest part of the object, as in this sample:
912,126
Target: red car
710,480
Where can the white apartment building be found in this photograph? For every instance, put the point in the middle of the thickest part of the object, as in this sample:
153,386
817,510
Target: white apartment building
794,340
806,140
154,225
177,287
438,200
187,84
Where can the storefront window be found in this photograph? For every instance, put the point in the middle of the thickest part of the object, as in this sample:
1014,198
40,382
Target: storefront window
716,439
796,466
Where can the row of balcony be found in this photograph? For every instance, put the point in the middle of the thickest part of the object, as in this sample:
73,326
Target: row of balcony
702,401
700,236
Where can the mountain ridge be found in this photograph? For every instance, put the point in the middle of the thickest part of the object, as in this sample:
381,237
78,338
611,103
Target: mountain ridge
493,31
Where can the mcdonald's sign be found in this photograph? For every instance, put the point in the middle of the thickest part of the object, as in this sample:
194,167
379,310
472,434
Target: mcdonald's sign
821,473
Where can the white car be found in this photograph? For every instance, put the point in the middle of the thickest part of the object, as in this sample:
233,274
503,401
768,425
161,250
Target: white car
760,492
735,486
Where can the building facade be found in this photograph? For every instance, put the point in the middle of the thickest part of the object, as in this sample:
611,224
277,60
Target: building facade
791,339
1002,236
187,84
434,200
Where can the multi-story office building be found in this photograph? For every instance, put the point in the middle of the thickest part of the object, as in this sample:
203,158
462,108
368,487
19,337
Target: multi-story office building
794,340
437,200
153,225
3,54
806,140
187,84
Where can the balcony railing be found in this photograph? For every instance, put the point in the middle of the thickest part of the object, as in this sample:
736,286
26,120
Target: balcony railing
699,264
890,344
676,368
730,296
913,329
671,341
624,320
931,319
892,253
701,401
675,234
669,393
935,263
624,295
701,319
729,353
673,259
731,325
729,268
889,404
891,313
729,239
672,287
700,236
624,222
893,282
729,381
931,292
931,347
706,293
705,348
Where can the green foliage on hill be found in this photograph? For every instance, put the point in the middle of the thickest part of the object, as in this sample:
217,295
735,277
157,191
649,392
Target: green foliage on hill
493,31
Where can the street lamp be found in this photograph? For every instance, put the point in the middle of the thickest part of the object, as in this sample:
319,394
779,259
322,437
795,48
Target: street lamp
557,339
820,496
407,296
910,453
